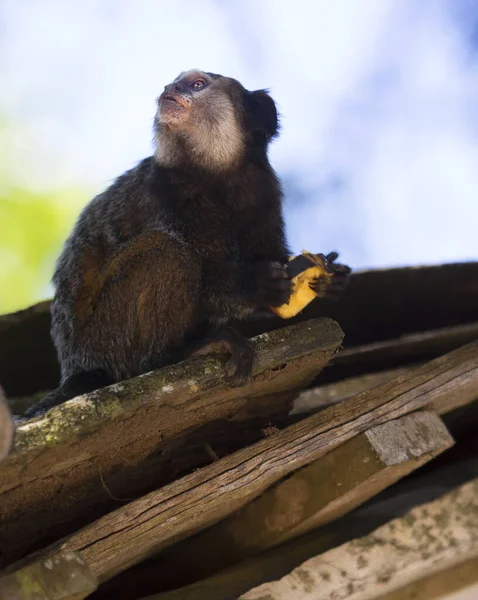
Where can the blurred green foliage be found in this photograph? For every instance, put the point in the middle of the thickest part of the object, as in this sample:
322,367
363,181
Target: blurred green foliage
33,227
33,224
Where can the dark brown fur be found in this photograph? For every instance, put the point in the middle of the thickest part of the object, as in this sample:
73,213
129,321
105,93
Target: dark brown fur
176,247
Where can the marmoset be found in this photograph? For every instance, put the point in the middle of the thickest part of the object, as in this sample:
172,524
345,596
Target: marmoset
178,246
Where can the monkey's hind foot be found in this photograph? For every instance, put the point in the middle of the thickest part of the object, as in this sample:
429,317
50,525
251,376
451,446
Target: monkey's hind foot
332,285
238,369
239,366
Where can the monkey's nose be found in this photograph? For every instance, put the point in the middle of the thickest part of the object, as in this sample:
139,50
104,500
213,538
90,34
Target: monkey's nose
175,87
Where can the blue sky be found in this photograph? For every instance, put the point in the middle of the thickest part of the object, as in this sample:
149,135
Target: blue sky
379,104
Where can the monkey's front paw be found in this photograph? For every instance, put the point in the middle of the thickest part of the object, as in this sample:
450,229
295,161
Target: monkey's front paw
331,288
274,286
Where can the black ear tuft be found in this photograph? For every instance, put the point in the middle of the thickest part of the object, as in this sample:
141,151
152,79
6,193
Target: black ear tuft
261,113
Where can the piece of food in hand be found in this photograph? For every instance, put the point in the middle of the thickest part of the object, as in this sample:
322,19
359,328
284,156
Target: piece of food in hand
313,276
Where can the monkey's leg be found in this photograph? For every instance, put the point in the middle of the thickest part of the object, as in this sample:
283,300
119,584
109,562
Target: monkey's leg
134,314
148,305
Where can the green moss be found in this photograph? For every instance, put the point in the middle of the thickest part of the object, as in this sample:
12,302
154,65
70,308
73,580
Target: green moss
175,384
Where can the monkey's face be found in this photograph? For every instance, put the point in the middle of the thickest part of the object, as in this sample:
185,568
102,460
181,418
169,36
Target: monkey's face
193,98
211,120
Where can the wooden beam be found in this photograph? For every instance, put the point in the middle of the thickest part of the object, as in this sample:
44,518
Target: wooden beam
270,565
184,507
322,396
145,432
358,368
311,497
63,577
431,538
7,428
396,352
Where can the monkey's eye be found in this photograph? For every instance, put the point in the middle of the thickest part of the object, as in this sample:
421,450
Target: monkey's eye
198,84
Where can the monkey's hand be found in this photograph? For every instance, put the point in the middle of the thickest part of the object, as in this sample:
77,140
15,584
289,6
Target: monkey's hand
273,283
332,284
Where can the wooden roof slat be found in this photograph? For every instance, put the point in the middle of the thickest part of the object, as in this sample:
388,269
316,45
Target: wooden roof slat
422,487
313,496
87,456
441,535
184,507
378,305
403,350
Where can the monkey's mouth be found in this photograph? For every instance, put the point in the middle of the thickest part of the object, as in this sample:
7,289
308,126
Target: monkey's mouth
179,100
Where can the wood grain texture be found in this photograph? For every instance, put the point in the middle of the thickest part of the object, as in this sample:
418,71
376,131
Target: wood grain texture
182,508
272,565
357,369
459,582
309,498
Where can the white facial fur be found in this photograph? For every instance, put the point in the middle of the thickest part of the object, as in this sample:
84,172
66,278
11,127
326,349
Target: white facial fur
208,133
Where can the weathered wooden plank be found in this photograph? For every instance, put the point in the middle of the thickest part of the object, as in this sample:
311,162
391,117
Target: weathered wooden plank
429,539
410,349
322,396
270,565
379,304
396,352
459,582
64,577
7,428
184,507
313,496
142,433
186,386
358,368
